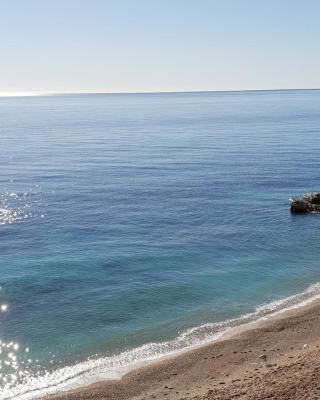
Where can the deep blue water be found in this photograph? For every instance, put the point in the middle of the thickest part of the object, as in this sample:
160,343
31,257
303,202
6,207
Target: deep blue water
127,219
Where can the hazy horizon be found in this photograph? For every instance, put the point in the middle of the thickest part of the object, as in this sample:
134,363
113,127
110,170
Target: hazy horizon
152,92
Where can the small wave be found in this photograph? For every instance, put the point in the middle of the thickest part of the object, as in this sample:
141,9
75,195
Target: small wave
113,367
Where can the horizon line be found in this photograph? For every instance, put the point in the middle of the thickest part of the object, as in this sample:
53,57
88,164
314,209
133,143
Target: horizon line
43,94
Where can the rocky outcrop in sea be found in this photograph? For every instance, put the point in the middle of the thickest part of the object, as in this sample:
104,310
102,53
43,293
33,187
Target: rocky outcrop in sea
308,203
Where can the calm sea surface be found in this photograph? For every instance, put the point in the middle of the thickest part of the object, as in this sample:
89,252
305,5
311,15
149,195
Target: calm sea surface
127,220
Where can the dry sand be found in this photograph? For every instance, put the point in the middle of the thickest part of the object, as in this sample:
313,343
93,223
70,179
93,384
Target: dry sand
279,359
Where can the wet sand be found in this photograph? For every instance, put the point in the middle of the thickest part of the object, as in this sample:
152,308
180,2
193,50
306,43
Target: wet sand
279,359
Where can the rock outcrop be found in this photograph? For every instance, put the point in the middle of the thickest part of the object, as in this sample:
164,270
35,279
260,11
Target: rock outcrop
308,203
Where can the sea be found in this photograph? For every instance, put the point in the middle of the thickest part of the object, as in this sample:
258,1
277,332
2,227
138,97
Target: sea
137,226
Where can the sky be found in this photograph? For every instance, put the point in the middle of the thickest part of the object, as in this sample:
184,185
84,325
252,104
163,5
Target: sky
158,45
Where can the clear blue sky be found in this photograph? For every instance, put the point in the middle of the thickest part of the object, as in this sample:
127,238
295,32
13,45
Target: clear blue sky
158,45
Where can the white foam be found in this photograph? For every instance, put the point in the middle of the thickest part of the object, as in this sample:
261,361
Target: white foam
95,370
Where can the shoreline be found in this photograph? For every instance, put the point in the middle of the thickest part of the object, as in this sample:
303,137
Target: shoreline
114,371
240,366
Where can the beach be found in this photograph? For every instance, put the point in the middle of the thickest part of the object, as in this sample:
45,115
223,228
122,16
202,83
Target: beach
279,359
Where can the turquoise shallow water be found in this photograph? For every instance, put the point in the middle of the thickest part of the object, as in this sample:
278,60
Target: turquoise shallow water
127,220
